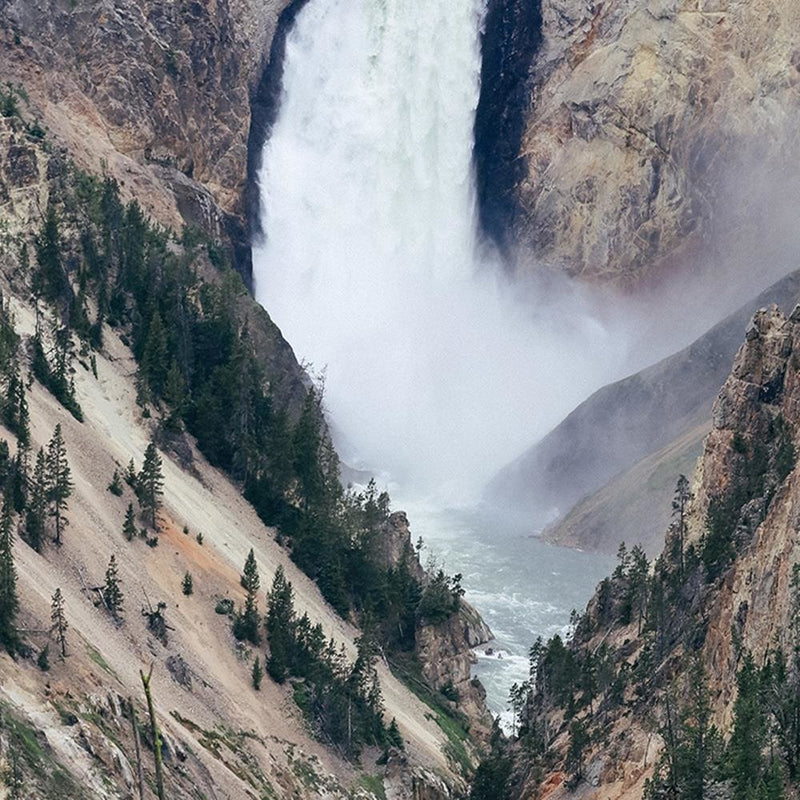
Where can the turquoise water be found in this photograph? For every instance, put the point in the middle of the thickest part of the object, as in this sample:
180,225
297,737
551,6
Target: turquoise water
522,586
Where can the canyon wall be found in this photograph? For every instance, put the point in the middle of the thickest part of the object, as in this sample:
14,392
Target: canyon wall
722,591
156,94
620,129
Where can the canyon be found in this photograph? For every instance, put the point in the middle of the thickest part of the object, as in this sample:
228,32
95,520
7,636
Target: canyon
575,187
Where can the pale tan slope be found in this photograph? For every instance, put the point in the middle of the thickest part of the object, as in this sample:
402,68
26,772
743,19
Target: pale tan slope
635,506
221,691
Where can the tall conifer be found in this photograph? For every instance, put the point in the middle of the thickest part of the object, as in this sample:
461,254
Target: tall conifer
36,511
150,484
59,622
112,594
59,480
9,602
247,622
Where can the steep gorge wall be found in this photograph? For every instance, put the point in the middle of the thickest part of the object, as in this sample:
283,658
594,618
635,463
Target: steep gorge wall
157,93
639,122
743,603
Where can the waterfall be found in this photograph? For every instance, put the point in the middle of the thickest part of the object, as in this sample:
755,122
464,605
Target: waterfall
434,372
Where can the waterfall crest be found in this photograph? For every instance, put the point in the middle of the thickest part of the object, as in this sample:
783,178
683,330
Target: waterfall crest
369,264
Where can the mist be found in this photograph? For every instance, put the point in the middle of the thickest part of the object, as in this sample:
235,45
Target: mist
438,369
435,373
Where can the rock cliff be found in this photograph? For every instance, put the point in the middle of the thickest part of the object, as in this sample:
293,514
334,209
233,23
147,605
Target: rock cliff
620,123
723,591
158,93
444,649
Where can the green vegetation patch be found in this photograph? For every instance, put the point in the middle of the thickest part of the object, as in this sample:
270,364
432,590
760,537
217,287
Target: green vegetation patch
454,724
31,763
373,784
98,659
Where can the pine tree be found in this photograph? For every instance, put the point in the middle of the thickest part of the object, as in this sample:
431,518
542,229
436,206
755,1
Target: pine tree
17,487
59,480
393,735
697,741
307,444
9,602
188,584
50,281
578,742
247,622
150,483
130,475
250,580
15,408
23,419
745,751
129,526
638,573
175,393
154,356
112,594
36,511
257,674
280,627
115,487
680,502
59,624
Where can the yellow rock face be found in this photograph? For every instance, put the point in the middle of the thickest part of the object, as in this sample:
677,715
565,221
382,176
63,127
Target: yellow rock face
645,122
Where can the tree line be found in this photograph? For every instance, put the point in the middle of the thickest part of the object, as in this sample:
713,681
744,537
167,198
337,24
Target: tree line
578,686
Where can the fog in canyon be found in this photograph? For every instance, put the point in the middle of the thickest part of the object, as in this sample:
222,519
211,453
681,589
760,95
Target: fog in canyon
439,368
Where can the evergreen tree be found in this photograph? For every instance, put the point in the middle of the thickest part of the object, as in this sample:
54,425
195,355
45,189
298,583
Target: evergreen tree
59,624
112,594
36,511
250,580
638,585
578,741
50,281
699,749
129,526
59,480
280,627
187,585
693,746
680,502
247,621
393,735
175,394
746,748
9,602
257,674
154,357
130,475
307,445
115,487
17,487
150,484
491,778
23,419
15,408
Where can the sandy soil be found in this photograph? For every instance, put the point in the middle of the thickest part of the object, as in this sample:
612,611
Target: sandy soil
221,693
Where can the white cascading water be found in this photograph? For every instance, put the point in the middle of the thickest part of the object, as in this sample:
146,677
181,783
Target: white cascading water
435,375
